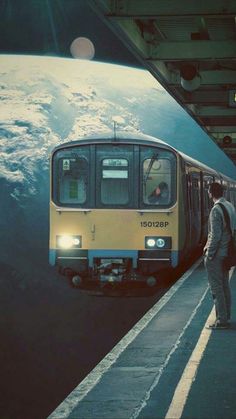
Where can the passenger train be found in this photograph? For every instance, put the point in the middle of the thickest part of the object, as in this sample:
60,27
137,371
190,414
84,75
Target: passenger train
124,208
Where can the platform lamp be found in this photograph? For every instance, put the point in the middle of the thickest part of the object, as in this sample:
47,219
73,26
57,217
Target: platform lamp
190,79
227,140
232,98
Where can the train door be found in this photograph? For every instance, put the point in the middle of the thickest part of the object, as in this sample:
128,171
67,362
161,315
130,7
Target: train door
202,238
196,207
207,204
193,179
189,207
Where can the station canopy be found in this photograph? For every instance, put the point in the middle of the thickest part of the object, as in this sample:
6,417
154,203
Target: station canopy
190,48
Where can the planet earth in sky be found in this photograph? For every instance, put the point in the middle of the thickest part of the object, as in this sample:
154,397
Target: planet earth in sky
46,101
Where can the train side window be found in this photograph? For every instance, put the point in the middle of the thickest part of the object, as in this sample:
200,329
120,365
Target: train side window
72,180
232,196
206,199
189,188
157,181
195,194
207,180
114,181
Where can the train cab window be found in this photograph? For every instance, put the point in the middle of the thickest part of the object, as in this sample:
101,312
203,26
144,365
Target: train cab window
157,181
72,180
114,182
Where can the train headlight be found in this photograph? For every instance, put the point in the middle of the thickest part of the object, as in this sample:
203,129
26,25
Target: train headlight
76,241
68,242
160,243
153,242
65,242
150,243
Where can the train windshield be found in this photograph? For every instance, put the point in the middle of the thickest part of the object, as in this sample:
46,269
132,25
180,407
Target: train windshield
115,181
73,175
114,176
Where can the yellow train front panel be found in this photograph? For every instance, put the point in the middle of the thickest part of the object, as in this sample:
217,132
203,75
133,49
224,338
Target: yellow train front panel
135,234
114,201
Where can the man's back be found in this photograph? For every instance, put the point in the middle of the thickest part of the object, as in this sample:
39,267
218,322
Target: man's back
231,211
218,233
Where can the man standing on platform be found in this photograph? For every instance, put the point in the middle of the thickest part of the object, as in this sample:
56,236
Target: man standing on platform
215,251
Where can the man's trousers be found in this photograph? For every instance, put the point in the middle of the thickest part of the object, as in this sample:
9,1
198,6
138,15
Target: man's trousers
218,278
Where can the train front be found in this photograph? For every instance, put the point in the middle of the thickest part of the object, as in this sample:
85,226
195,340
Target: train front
113,210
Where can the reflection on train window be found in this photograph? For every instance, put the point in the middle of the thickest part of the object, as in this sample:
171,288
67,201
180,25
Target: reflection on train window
207,180
157,181
73,175
114,182
195,192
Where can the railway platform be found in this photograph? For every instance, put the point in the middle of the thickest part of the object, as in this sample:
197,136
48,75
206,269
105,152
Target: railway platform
168,366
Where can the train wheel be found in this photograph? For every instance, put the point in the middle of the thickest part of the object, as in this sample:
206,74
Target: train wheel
76,281
151,281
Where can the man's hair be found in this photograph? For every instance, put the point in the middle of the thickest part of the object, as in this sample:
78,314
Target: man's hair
163,185
216,189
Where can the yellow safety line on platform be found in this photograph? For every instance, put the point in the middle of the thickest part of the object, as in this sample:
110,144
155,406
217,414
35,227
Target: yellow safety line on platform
183,388
89,382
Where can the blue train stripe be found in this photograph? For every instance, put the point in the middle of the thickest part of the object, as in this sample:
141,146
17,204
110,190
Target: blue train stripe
174,258
106,253
52,257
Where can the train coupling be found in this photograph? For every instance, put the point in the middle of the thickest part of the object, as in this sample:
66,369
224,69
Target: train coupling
111,272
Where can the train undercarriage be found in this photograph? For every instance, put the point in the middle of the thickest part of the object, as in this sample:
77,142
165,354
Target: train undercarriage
112,273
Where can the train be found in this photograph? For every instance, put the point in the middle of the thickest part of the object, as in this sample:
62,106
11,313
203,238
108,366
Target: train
126,207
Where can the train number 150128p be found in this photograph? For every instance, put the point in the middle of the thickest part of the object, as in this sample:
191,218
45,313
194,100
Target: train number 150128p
161,224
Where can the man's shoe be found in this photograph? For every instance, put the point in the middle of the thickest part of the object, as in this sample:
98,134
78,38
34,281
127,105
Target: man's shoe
218,325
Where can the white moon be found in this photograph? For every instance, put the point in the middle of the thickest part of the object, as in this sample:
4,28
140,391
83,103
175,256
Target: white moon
82,48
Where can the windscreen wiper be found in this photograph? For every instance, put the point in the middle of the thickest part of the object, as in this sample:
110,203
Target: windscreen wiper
153,158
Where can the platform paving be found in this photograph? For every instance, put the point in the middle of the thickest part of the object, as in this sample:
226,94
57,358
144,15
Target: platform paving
139,378
213,393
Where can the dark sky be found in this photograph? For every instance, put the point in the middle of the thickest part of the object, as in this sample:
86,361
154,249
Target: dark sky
47,27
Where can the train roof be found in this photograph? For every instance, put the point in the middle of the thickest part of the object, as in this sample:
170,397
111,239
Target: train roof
118,136
124,136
